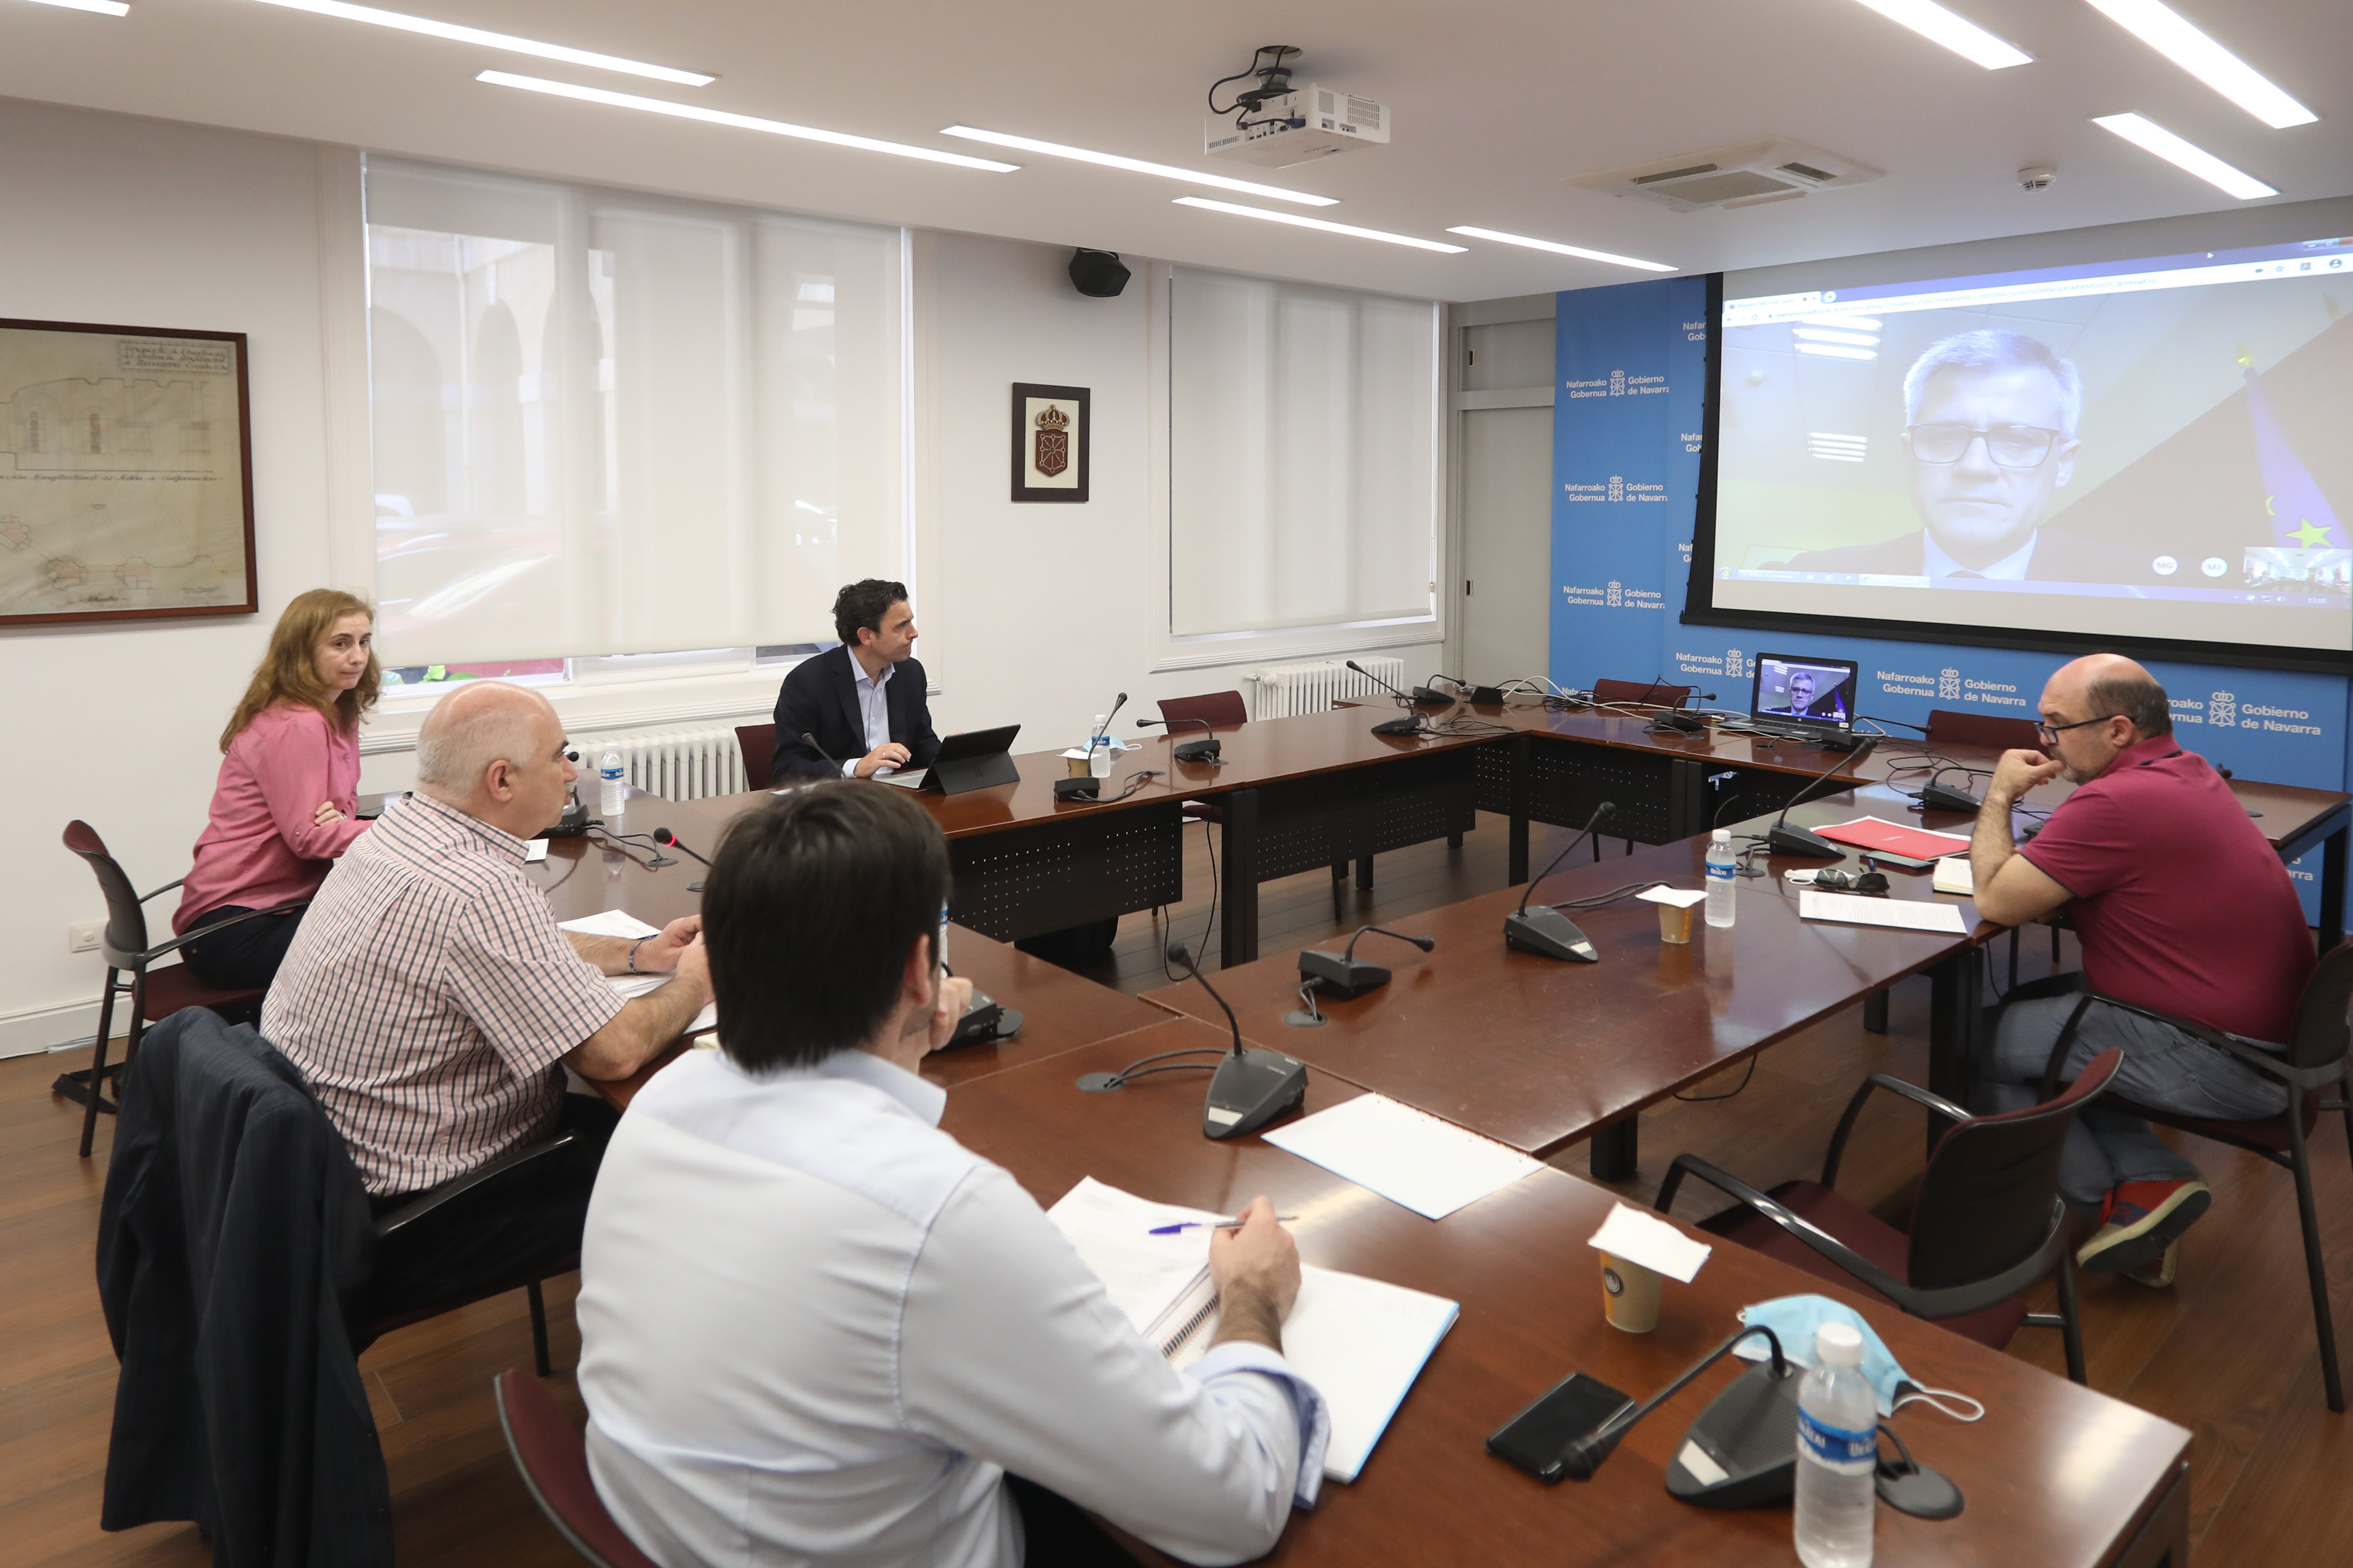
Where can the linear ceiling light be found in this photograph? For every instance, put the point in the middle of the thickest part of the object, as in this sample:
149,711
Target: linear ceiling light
1298,221
1502,238
103,7
741,121
408,24
1963,36
2157,138
1138,166
2163,29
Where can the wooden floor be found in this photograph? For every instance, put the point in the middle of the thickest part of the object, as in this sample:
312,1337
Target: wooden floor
2228,1352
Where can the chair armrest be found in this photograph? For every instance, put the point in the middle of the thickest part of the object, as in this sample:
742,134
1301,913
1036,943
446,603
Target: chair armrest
164,888
161,948
1893,1085
1789,1219
425,1203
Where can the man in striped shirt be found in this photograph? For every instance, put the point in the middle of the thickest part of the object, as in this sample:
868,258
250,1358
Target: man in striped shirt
431,1002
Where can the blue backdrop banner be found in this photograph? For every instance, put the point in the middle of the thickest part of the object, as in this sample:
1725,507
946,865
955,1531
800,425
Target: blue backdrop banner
1627,415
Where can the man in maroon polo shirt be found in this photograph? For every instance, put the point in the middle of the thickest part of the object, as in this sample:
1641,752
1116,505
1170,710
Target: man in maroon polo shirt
2181,905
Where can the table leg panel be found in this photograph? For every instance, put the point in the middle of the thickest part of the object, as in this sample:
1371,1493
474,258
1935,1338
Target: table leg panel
1072,869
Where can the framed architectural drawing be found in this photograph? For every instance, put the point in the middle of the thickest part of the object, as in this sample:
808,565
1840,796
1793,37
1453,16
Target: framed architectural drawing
1051,435
126,474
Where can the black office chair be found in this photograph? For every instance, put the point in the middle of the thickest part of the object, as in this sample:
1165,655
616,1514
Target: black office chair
2315,1057
154,995
1636,694
758,744
551,1456
1987,1226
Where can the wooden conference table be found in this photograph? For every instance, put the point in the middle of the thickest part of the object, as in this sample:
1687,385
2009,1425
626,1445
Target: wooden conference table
2054,1474
1294,794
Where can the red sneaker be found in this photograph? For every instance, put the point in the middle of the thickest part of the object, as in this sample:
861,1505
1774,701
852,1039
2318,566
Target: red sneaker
2139,1221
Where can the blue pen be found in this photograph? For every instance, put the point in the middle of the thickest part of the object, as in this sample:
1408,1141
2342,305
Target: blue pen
1210,1224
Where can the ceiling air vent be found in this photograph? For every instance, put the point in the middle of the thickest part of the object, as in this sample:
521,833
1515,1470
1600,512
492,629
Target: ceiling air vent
1742,176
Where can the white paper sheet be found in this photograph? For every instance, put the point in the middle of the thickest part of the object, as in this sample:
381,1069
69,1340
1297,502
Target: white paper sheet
1145,1275
1955,875
611,923
1430,1166
1681,898
1901,914
1647,1239
534,849
629,986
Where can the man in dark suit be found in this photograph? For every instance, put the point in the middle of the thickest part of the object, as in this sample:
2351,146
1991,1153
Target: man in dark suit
1990,419
1804,704
864,700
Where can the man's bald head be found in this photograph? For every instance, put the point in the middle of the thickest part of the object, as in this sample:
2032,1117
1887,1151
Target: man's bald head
2100,684
479,723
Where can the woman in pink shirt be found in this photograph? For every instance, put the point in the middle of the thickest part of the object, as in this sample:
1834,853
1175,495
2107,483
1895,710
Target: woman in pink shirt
289,785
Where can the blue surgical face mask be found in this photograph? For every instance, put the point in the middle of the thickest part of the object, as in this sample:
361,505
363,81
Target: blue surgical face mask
1794,1321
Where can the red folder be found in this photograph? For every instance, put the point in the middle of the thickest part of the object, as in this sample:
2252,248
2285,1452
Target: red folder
1882,837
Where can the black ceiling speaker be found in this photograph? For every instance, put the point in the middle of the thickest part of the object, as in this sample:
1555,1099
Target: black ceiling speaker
1098,274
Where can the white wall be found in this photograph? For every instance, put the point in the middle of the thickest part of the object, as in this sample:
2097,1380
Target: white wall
141,224
1029,614
1038,613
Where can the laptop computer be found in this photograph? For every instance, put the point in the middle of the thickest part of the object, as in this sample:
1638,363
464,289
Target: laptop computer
1803,697
974,759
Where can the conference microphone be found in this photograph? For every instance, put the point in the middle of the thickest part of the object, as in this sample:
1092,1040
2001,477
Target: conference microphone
663,836
1105,727
1209,750
1408,725
820,751
1785,840
1546,931
1251,1087
1745,1441
1343,975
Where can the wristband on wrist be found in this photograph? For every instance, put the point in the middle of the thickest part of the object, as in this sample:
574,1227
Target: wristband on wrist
633,954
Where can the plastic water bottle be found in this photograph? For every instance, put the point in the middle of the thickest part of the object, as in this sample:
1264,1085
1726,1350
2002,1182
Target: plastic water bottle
613,785
1722,877
1838,1452
1101,750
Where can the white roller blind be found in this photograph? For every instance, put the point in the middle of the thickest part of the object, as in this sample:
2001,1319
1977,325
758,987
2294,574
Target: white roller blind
616,424
1302,455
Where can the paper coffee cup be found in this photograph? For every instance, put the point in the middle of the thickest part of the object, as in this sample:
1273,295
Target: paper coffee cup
1676,925
1630,1294
1077,766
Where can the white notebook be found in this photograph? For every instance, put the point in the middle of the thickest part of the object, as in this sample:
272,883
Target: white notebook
1360,1341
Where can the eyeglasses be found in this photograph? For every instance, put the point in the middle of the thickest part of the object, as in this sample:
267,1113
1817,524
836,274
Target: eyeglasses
2012,446
2050,733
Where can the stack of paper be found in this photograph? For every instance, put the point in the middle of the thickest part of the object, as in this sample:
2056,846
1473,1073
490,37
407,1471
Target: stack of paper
627,927
1432,1167
1360,1341
1955,875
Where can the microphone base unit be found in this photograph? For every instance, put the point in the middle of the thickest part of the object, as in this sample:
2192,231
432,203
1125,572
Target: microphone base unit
1251,1088
1680,724
1742,1452
1549,934
1487,696
1411,725
1207,751
1847,742
1431,694
1089,788
1338,976
1945,797
1787,840
575,822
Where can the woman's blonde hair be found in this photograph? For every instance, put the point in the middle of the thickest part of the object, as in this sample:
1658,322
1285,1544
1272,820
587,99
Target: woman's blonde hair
289,671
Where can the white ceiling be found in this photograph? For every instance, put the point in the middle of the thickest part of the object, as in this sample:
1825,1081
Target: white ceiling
1495,106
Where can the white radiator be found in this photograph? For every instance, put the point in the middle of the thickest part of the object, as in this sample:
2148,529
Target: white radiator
1292,688
676,764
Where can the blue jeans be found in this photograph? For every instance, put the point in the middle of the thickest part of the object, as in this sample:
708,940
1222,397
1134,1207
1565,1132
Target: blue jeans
2163,1067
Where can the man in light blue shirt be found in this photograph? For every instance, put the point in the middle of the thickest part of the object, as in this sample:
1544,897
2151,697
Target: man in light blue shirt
815,1328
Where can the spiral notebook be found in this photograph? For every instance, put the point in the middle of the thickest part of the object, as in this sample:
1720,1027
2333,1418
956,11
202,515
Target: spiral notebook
1360,1341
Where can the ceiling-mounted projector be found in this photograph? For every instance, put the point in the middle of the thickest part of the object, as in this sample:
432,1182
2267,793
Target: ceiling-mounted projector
1744,176
1275,123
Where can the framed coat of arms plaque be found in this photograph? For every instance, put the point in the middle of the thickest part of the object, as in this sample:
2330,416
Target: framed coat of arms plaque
1051,431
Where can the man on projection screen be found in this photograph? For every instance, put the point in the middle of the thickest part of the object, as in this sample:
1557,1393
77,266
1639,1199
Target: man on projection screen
1989,426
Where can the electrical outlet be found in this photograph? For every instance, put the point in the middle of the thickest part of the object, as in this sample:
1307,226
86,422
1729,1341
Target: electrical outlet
82,936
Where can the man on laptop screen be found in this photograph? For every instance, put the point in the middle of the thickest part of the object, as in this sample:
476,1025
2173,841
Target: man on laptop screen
1813,693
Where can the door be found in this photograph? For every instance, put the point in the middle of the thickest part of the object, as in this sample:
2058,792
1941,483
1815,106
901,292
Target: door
1506,544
